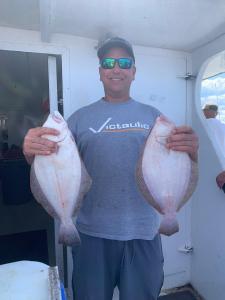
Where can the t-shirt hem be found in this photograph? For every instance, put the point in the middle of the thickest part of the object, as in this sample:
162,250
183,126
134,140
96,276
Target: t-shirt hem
116,236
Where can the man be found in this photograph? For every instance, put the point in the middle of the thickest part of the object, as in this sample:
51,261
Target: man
211,111
218,128
120,243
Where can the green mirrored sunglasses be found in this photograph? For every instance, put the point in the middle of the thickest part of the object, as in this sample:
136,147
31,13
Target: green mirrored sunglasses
123,62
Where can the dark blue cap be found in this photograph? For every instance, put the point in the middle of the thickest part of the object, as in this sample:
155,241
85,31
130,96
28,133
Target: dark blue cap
114,42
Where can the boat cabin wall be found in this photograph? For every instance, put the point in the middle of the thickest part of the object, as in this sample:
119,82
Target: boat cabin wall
159,82
208,205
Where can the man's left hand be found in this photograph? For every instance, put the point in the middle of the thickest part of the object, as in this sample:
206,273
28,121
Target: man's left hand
183,138
220,179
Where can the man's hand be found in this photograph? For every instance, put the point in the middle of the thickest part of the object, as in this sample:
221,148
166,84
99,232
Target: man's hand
220,179
184,139
35,144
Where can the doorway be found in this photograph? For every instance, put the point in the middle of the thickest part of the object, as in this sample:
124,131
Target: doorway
24,104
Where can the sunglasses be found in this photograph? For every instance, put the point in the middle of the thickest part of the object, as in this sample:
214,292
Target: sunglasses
109,62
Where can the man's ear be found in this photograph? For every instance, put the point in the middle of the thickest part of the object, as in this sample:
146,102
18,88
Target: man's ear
99,71
134,72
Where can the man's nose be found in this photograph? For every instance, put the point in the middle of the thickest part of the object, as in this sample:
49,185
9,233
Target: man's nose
116,69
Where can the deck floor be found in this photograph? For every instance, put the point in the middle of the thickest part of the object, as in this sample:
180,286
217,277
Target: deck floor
185,295
175,296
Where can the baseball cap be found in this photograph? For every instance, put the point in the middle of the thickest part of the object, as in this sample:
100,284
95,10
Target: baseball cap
112,43
213,107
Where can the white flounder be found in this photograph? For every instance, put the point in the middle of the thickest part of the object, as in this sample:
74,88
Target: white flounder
165,177
59,181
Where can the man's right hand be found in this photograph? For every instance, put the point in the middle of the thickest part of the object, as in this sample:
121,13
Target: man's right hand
35,144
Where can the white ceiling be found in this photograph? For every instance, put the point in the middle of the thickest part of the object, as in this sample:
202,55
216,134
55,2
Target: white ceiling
172,24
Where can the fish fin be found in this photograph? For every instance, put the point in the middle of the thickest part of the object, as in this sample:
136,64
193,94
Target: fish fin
169,225
38,193
192,183
85,185
68,234
143,187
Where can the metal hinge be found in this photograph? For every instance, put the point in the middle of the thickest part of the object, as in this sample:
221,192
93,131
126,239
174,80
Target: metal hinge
60,101
186,249
187,76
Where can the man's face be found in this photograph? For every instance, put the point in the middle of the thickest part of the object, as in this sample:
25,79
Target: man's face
117,81
209,113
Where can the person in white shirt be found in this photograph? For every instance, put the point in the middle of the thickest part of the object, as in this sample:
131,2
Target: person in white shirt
218,128
211,111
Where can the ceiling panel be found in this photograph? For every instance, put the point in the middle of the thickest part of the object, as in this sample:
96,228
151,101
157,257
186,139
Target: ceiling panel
171,24
20,14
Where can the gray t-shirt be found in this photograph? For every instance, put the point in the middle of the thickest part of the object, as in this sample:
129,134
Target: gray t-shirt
110,138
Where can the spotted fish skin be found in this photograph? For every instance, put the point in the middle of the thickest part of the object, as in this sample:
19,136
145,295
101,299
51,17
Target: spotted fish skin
59,181
166,178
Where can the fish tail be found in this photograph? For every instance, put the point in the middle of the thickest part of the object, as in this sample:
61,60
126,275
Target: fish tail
169,225
68,234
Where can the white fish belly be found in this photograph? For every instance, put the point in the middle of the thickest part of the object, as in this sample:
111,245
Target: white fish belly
59,176
166,174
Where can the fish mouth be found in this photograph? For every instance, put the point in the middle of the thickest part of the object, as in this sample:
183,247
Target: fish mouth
57,117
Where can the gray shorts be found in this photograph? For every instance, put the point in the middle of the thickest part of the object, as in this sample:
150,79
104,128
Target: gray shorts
135,266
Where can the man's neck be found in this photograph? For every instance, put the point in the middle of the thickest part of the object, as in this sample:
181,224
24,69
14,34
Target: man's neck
116,99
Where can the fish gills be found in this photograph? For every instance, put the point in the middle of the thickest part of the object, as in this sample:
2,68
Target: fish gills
59,181
165,177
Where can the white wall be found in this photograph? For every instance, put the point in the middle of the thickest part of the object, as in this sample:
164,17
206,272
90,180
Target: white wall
208,205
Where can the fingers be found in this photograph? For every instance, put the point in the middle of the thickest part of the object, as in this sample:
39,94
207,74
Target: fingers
220,180
39,131
183,133
39,147
219,183
183,129
35,144
184,139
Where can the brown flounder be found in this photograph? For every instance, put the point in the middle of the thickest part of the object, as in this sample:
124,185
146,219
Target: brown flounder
166,178
60,180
